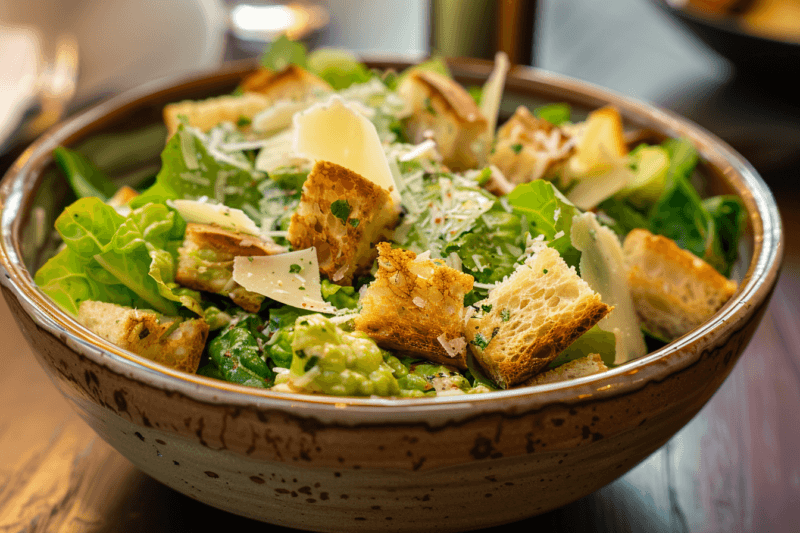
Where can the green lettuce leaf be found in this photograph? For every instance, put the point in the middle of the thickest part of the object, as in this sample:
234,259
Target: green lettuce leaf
730,217
190,171
87,226
147,235
339,296
283,52
593,341
548,214
339,68
679,213
554,113
65,278
83,176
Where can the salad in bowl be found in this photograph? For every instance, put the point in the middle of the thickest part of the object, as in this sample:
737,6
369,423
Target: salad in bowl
331,229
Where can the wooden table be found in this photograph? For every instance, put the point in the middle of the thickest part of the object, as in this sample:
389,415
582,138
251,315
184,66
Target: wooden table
734,467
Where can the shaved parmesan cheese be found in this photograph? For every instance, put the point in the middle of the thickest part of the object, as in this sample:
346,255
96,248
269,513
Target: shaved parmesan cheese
217,214
492,92
454,347
590,191
279,115
273,276
337,132
603,268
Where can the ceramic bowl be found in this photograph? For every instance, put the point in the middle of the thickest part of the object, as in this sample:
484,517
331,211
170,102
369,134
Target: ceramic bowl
342,464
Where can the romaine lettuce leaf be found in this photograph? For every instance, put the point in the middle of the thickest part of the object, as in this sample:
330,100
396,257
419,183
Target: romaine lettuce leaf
87,226
65,278
549,214
190,171
729,216
83,176
283,52
128,261
556,114
593,341
339,296
339,68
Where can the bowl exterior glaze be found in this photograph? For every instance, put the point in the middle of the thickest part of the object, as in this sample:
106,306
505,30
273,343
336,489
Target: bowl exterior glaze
368,464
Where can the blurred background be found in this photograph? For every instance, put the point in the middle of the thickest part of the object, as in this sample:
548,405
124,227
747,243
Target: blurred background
726,64
57,57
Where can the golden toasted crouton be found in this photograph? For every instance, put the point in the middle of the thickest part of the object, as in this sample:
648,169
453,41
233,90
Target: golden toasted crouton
578,368
343,214
123,195
205,114
528,147
440,105
205,262
416,306
673,290
147,333
293,83
535,314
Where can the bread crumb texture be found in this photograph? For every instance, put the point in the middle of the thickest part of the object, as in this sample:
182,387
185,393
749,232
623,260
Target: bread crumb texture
535,314
148,333
291,83
528,147
343,235
443,108
416,306
205,262
205,114
585,366
673,290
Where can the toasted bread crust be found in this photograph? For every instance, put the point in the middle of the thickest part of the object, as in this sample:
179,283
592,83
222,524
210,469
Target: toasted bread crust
536,313
412,304
441,105
528,148
585,366
292,82
199,271
344,247
147,333
673,290
205,114
452,96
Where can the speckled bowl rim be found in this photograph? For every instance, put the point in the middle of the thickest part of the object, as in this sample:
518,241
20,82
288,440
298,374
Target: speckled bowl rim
754,290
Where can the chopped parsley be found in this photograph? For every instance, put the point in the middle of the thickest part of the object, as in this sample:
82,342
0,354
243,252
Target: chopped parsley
355,222
517,148
250,258
480,341
544,271
505,314
243,121
486,308
295,269
341,210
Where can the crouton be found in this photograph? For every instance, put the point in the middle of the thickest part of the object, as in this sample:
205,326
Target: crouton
440,105
578,368
417,306
205,262
673,290
342,214
205,114
169,340
534,314
291,83
528,147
